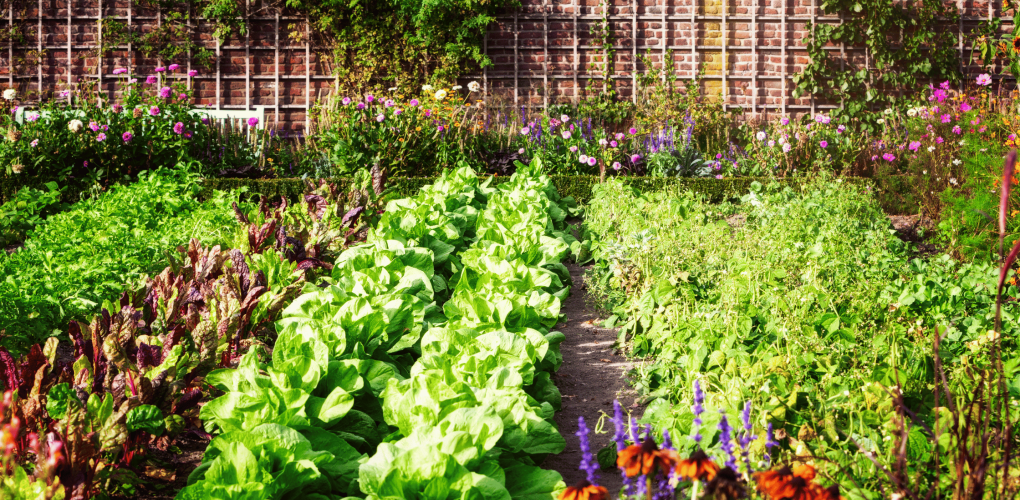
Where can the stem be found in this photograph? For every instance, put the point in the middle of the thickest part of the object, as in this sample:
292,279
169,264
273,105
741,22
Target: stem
648,486
694,489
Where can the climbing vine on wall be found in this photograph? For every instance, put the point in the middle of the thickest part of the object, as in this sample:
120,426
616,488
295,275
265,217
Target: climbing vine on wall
907,45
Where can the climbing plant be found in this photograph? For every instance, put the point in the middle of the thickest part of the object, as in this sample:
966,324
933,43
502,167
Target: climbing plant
906,44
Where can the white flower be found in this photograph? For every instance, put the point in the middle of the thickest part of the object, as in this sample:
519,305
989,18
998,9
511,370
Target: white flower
962,142
924,172
881,121
931,148
525,131
440,95
564,118
952,180
761,135
32,116
392,89
584,158
75,126
456,87
474,86
912,112
34,143
10,94
956,162
426,88
888,111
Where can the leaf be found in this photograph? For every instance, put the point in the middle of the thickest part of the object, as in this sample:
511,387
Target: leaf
58,400
146,418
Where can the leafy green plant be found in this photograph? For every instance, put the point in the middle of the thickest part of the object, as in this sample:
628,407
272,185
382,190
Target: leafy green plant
26,210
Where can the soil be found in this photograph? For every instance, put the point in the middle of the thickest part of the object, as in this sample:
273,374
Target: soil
592,376
168,472
917,230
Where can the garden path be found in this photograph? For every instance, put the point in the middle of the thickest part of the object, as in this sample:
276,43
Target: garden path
591,377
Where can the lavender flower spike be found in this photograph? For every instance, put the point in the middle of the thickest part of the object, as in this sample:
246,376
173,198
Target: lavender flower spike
588,463
620,436
698,409
726,441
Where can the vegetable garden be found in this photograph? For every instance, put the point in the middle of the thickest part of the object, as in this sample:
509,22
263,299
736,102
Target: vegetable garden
413,301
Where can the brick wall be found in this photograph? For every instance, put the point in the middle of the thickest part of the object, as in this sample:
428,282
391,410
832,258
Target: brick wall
544,52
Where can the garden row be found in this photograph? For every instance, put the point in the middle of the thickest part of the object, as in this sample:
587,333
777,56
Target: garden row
422,371
801,305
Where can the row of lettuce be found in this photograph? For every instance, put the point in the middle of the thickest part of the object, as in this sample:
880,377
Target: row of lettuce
422,369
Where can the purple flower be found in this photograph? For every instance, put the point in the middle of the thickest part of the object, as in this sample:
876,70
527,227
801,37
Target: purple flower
613,144
397,112
726,441
164,92
944,85
193,72
380,117
173,67
588,463
635,158
698,408
441,128
101,137
413,102
182,96
179,128
785,121
154,111
346,101
718,156
205,120
592,161
151,80
160,69
633,131
840,129
984,79
389,103
770,442
369,98
361,105
253,121
119,71
823,144
620,433
888,157
957,130
126,136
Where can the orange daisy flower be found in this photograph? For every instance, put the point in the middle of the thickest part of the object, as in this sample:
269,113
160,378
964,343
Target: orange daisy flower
784,484
585,491
1016,44
645,459
830,493
697,467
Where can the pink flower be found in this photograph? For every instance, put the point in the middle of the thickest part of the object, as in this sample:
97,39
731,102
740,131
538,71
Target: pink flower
154,111
982,129
915,145
173,67
957,130
346,101
94,126
874,157
397,112
603,142
133,80
182,96
361,105
823,144
126,136
520,151
151,80
441,128
566,134
613,144
193,72
101,137
939,140
428,113
965,107
160,69
888,157
945,118
718,176
785,121
390,103
984,79
573,149
619,136
635,158
369,97
179,128
119,71
632,131
34,143
616,165
592,161
164,92
787,147
840,128
253,121
414,102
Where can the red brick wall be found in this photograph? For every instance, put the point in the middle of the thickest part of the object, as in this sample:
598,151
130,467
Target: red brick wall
543,53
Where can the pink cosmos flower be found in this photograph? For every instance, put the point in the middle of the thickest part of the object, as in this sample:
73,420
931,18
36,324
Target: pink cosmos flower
179,128
945,118
253,121
573,149
915,145
101,137
984,79
888,157
964,107
94,126
939,140
957,130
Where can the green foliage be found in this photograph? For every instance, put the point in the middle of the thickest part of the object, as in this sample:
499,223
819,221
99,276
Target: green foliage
101,247
906,47
26,210
804,305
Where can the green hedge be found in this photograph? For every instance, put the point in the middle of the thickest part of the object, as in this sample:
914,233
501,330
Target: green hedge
578,186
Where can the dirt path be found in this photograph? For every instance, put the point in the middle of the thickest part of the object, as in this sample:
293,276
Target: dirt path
591,377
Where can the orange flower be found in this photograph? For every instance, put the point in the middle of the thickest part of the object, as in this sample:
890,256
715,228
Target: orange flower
784,484
830,493
698,467
645,459
585,491
1016,44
